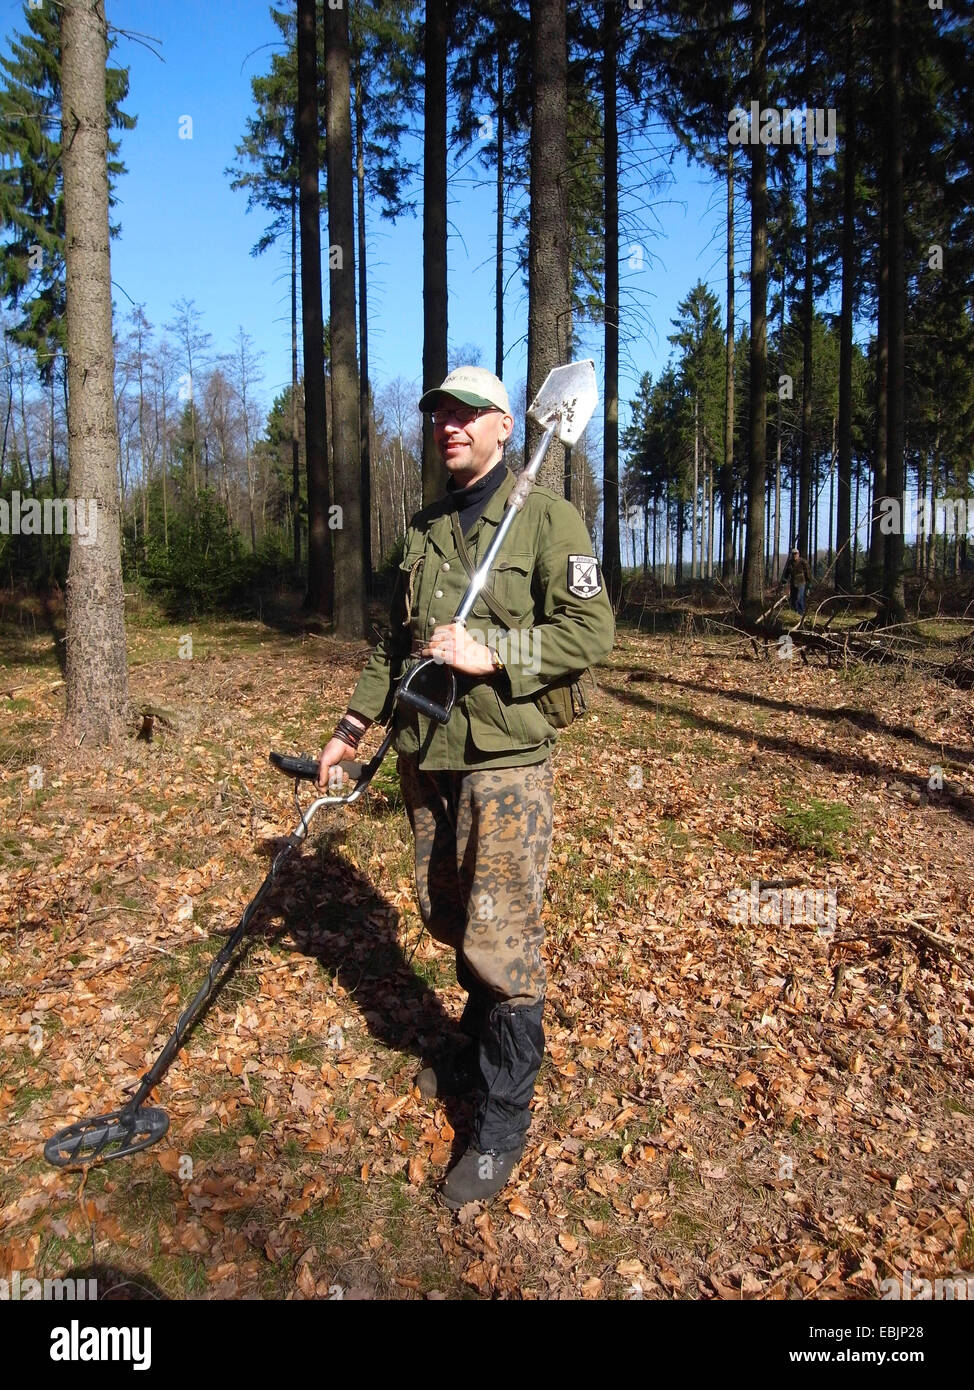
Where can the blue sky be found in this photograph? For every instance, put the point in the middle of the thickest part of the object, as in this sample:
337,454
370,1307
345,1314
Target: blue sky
186,234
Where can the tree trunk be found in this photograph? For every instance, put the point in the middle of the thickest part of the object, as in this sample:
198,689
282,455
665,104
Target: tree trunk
6,423
499,258
893,593
434,233
97,674
920,547
365,400
611,568
877,546
776,547
844,563
831,495
932,544
727,471
320,594
680,530
52,455
777,452
655,547
696,486
710,523
350,578
549,299
768,494
808,303
295,445
165,469
666,535
752,591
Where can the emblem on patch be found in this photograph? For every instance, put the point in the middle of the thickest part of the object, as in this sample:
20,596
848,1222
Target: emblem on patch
584,579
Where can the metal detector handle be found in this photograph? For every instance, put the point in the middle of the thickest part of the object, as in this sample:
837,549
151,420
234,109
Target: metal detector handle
406,696
307,768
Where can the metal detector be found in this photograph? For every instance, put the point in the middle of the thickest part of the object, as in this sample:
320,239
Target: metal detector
136,1125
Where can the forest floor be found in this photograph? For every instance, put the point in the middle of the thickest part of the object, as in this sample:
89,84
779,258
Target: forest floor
733,1105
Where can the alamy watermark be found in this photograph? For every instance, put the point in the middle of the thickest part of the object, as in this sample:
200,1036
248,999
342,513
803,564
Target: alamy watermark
909,1288
55,516
944,516
813,127
782,907
518,648
77,1343
30,1289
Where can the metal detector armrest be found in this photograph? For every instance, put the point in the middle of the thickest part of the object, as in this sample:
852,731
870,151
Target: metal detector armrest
407,696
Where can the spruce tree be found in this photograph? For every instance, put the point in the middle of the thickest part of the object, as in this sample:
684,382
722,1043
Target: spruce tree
32,274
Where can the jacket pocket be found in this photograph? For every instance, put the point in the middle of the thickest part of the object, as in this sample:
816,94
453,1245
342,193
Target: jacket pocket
497,725
510,581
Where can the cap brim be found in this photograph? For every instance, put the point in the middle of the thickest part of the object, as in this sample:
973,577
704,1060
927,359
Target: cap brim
434,399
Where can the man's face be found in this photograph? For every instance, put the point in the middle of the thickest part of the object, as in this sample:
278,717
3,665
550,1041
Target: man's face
470,451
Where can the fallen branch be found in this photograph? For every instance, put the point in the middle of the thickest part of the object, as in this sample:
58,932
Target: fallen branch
930,940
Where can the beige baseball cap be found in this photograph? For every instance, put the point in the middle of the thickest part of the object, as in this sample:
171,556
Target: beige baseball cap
473,386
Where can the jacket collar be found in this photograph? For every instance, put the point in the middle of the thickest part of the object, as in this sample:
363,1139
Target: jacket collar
441,528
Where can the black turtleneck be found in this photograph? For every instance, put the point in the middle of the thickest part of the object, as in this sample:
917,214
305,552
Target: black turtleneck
471,501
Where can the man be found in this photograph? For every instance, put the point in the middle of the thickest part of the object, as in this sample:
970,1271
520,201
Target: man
800,575
478,789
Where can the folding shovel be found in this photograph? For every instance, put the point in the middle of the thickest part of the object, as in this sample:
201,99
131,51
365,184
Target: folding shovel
563,406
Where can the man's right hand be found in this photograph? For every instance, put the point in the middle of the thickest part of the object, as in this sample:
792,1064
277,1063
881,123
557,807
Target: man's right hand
336,751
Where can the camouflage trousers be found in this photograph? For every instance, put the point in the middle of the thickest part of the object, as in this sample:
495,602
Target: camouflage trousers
483,839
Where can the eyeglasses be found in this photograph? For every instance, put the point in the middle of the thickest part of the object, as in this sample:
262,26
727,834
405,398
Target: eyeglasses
461,414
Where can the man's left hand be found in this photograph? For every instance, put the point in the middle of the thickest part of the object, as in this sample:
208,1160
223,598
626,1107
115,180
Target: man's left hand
453,645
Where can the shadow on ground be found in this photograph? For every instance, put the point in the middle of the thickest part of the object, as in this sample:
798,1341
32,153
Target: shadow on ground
833,759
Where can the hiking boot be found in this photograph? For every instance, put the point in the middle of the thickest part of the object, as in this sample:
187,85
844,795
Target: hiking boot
478,1176
509,1058
452,1076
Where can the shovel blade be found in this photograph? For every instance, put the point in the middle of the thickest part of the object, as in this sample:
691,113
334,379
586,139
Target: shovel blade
569,394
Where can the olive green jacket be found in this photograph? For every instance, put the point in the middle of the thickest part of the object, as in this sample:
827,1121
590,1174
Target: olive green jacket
546,576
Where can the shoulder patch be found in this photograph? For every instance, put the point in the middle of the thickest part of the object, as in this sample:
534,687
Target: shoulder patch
584,577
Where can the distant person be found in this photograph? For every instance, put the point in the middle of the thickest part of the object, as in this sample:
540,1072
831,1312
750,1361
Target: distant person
799,576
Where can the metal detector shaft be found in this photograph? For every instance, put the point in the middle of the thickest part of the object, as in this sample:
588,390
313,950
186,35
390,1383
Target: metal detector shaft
206,989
